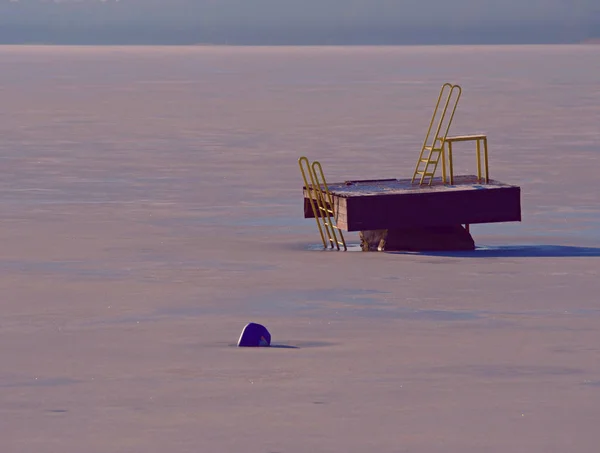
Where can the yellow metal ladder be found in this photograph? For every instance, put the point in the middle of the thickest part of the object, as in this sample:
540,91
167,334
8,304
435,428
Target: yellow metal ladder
322,203
433,146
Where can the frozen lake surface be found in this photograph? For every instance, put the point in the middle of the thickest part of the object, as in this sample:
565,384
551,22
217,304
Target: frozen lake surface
151,206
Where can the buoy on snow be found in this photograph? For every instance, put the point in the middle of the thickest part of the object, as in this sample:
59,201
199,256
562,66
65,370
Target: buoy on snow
254,335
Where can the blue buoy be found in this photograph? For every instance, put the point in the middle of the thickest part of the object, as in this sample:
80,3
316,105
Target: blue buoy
254,335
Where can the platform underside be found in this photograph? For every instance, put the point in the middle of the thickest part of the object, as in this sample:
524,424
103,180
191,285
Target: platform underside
396,203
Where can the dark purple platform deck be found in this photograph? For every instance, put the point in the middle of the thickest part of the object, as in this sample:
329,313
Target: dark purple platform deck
396,203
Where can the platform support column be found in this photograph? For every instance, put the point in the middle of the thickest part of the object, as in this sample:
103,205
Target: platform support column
442,238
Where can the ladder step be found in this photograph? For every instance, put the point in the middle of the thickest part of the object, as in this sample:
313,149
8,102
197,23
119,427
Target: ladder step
424,174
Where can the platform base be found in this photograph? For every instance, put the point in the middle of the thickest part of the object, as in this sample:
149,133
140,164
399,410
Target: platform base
369,205
423,239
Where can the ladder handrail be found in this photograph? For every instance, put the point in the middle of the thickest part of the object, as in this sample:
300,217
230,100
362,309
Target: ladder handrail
452,88
316,165
316,212
435,110
438,137
322,205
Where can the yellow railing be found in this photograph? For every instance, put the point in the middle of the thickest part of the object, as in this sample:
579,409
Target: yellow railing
322,204
480,141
